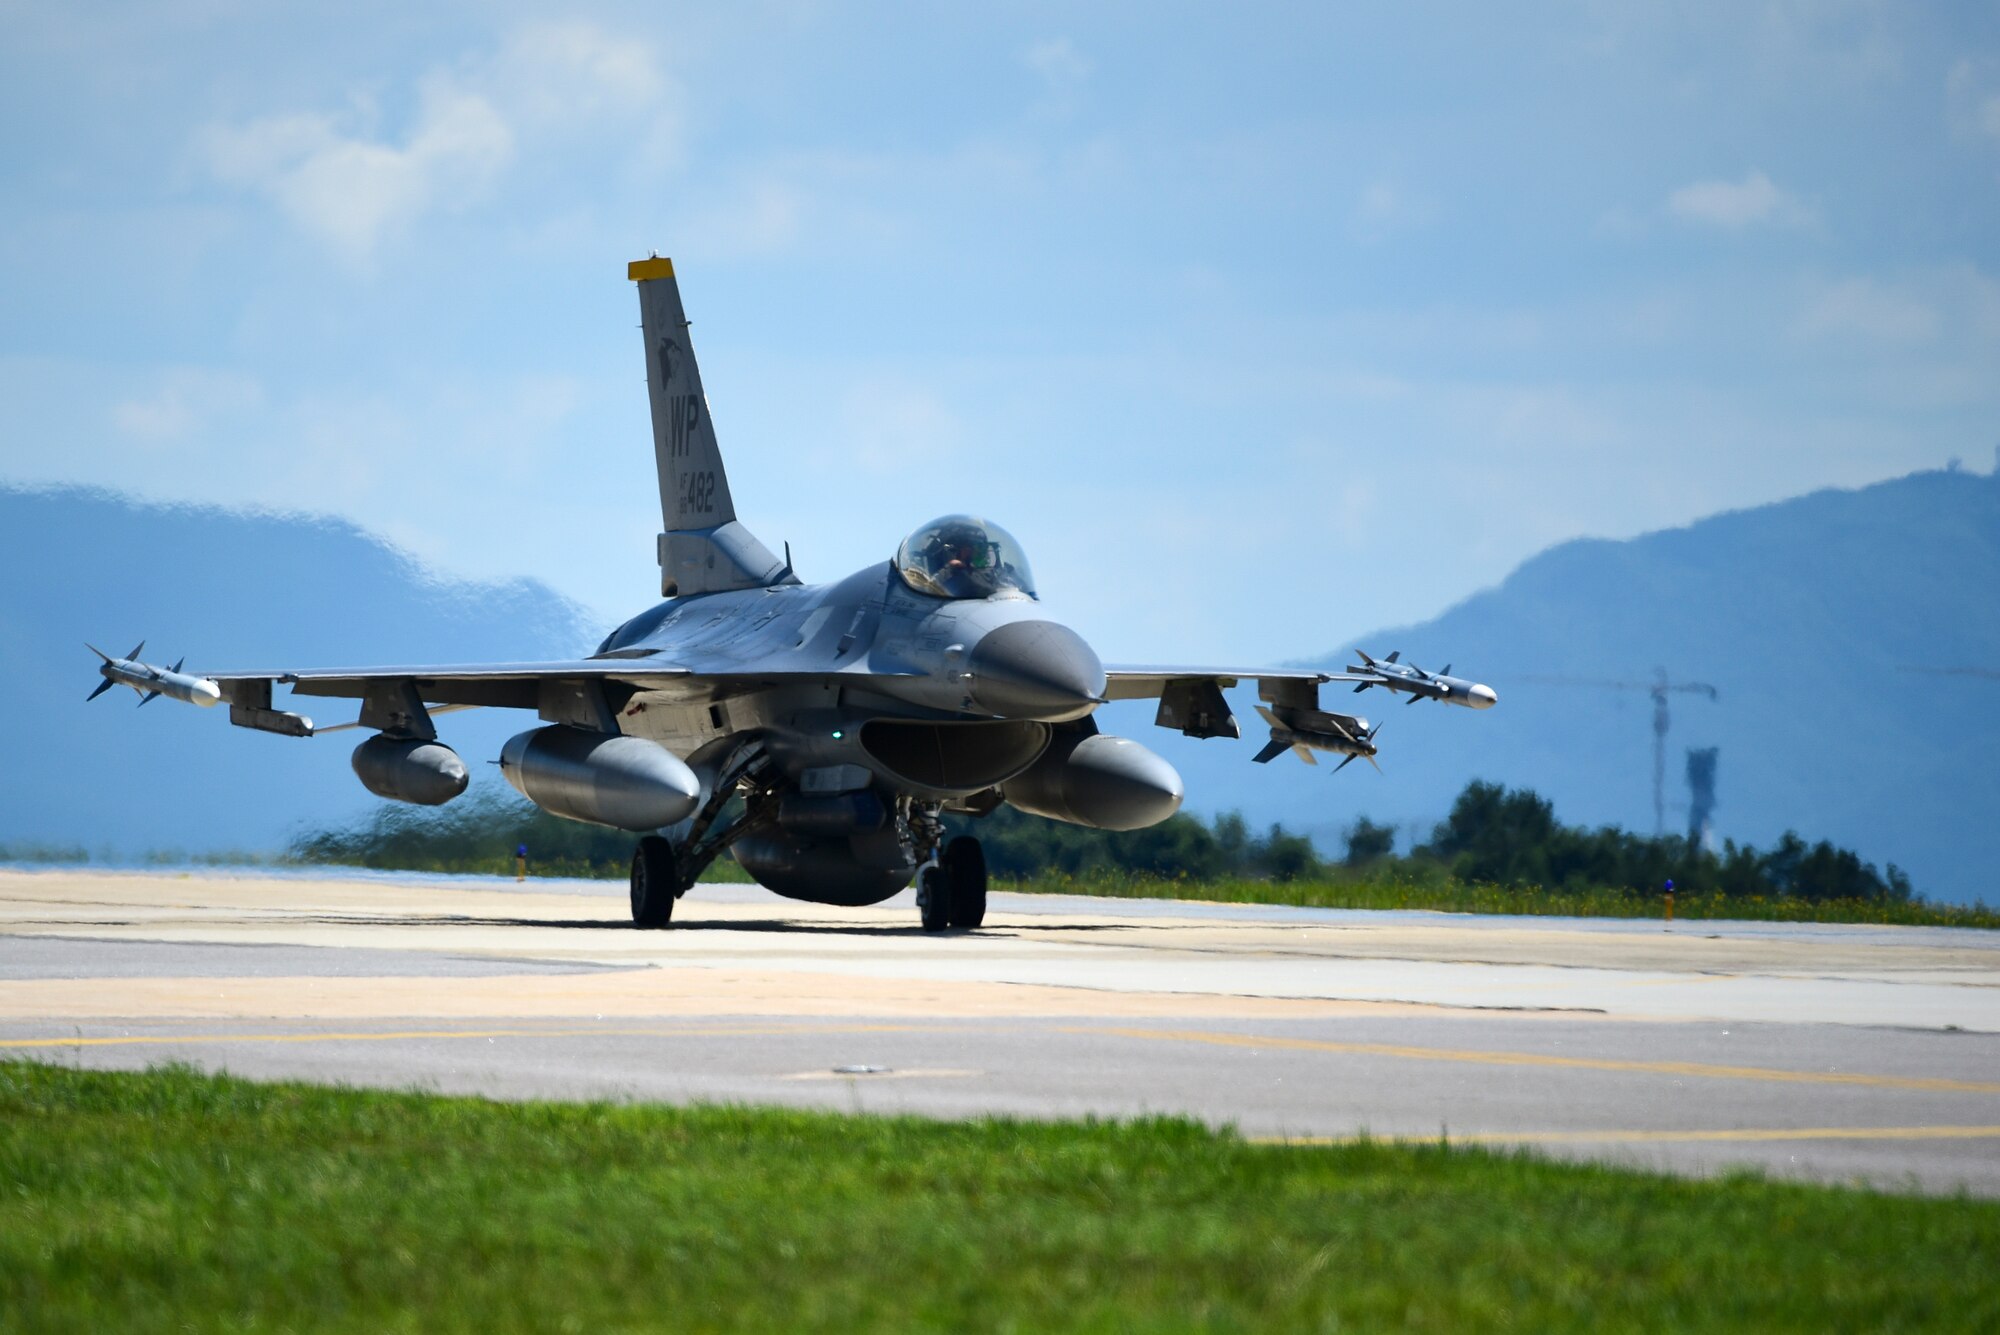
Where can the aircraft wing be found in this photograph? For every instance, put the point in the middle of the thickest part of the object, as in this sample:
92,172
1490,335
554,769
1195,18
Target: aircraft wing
588,692
1191,701
1146,682
456,684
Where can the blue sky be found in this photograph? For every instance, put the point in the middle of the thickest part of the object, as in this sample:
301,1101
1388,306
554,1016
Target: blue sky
1261,331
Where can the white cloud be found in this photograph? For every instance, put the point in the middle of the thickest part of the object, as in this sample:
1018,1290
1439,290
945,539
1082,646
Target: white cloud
1871,309
186,400
1384,207
350,191
888,421
1060,64
352,188
1063,71
1972,97
1754,199
567,73
761,215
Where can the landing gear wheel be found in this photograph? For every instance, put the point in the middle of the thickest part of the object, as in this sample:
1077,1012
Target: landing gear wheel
964,864
933,898
655,882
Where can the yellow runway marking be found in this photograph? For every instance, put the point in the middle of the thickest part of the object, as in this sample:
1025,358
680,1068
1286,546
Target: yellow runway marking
1699,1070
913,1073
1736,1134
382,1036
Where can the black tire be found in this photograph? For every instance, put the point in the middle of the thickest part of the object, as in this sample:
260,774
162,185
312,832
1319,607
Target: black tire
934,898
964,864
655,882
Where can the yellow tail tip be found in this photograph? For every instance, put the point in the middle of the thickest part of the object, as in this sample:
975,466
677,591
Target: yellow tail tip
657,267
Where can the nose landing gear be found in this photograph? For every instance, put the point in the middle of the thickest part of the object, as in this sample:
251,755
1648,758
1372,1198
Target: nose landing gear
951,892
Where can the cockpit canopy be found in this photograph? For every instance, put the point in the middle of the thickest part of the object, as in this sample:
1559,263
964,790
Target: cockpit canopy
960,556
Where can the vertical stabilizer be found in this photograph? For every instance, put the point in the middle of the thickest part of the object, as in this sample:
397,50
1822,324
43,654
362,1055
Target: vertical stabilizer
702,548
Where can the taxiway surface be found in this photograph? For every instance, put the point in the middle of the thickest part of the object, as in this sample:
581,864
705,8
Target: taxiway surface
1830,1052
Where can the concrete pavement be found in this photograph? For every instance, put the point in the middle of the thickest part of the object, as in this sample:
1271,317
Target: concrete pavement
1835,1053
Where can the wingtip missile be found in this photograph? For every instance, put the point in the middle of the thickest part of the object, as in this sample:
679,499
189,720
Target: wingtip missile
1394,676
152,682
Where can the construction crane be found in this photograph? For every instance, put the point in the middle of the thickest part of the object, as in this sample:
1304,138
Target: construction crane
1659,688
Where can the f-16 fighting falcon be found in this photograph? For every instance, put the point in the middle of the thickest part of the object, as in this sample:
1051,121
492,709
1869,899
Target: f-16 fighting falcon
816,733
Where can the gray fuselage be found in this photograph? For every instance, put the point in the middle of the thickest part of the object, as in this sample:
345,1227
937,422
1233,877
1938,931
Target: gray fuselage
834,658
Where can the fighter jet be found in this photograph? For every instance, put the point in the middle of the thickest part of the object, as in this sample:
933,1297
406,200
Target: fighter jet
1394,676
818,733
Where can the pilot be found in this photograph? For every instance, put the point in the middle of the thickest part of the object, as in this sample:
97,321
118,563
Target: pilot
956,552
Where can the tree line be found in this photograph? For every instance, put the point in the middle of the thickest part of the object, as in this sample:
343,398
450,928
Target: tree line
1511,837
1492,835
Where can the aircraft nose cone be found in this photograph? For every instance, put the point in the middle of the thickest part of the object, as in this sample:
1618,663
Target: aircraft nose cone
1035,670
1482,697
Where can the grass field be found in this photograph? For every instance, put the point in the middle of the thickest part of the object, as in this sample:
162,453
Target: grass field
1448,894
174,1200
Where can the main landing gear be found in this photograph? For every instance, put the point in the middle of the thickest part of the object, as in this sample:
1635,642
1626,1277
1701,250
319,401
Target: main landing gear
664,869
656,882
951,892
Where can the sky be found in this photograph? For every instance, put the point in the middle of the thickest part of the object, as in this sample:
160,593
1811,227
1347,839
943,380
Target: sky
1261,328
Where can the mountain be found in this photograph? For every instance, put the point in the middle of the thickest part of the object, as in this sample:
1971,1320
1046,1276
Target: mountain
231,591
1822,622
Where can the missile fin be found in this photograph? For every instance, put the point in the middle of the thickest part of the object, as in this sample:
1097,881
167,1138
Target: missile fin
1343,764
102,687
1272,750
1413,699
1394,656
137,650
148,698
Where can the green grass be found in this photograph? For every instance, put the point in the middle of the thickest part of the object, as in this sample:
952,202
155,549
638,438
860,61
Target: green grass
1448,894
174,1200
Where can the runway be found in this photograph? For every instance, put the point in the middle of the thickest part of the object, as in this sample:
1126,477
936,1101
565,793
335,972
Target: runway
1825,1052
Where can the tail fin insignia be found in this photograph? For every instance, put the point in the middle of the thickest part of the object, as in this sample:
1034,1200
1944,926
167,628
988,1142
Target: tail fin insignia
702,548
